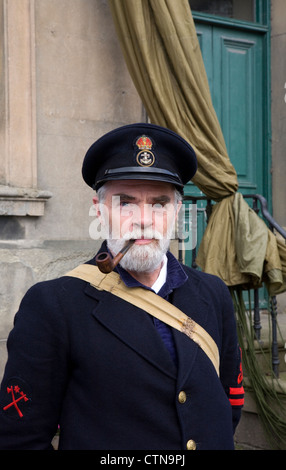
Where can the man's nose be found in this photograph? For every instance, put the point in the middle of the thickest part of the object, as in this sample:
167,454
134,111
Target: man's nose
143,216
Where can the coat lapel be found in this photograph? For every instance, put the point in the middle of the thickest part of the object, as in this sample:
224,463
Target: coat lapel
132,326
188,299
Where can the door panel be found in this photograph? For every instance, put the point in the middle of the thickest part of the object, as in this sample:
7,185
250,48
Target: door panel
237,95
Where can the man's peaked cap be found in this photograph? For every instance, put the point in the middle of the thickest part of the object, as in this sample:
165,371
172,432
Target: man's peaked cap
141,152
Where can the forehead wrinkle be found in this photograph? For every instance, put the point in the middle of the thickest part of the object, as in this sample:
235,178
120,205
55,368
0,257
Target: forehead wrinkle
139,191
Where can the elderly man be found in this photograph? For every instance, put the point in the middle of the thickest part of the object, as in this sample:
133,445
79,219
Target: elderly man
145,357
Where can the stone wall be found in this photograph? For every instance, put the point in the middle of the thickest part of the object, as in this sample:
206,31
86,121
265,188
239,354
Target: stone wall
64,84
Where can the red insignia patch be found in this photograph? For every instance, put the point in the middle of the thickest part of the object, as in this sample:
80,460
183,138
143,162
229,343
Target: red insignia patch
17,399
144,142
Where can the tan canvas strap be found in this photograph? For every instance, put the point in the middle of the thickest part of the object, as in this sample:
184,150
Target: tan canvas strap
151,303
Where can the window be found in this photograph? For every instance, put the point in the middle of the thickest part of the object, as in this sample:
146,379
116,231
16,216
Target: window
237,9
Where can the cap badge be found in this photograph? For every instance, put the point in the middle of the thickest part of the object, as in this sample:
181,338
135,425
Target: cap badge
145,157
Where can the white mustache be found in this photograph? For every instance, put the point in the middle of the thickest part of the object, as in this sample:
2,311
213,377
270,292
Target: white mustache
146,233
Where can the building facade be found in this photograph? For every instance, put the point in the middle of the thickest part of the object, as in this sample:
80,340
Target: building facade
64,83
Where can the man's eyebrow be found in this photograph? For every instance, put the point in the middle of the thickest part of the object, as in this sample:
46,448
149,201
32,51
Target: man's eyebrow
124,196
160,199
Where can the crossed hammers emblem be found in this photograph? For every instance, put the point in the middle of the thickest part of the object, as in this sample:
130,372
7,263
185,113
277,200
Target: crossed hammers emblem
15,391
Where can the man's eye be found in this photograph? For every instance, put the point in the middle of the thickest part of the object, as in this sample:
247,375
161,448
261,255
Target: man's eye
158,207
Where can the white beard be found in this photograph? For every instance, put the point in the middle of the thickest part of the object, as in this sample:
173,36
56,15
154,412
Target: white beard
141,258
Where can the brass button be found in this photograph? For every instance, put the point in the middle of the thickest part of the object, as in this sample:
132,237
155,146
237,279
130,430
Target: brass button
182,397
191,445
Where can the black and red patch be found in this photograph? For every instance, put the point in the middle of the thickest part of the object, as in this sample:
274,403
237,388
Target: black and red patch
15,398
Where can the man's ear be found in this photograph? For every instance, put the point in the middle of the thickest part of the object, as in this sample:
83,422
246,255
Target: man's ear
96,203
179,205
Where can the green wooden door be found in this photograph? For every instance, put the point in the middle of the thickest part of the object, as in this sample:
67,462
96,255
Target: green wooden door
235,58
234,64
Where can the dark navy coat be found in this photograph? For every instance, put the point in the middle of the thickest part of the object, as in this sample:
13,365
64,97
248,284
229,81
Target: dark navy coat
95,365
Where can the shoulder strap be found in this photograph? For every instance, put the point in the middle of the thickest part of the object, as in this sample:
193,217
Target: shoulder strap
151,303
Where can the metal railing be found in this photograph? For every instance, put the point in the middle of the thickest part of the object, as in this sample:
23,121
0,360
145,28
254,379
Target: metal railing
259,204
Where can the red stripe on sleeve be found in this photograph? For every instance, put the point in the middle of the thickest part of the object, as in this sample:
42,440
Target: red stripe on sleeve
236,391
236,401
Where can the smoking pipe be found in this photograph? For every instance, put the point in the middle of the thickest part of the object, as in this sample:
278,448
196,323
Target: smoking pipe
106,263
